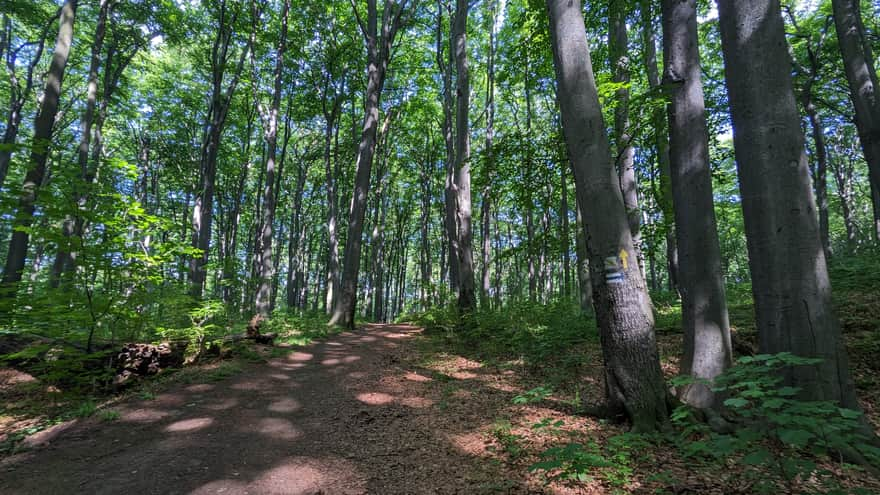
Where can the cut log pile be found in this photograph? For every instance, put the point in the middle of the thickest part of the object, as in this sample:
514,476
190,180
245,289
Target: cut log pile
147,359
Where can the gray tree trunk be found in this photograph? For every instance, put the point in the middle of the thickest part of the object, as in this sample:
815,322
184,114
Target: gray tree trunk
789,274
486,207
450,220
618,49
585,285
18,95
858,61
633,379
467,297
64,257
658,119
203,209
330,116
425,264
566,237
707,346
263,303
42,140
379,51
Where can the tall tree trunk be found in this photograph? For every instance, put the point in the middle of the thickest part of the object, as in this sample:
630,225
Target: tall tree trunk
379,51
707,346
858,61
618,49
65,256
820,181
633,378
267,266
843,177
488,169
467,297
18,96
789,275
203,209
875,203
41,144
585,285
425,223
450,220
566,237
661,138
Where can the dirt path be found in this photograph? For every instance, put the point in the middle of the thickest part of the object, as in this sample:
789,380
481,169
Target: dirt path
343,416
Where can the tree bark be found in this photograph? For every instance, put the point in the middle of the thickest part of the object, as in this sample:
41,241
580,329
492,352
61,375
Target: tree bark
18,96
661,138
789,274
585,285
41,144
707,345
203,209
65,255
379,51
633,379
618,48
450,220
467,297
858,62
488,169
267,266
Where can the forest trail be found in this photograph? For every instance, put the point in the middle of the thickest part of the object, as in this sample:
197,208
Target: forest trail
348,415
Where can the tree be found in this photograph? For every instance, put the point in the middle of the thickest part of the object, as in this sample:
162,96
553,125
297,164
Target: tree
18,93
222,53
379,51
861,73
618,49
707,346
40,146
789,275
633,379
270,135
467,298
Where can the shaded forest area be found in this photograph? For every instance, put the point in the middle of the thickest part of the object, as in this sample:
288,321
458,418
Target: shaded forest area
663,215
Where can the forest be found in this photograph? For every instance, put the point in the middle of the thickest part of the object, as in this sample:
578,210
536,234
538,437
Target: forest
440,246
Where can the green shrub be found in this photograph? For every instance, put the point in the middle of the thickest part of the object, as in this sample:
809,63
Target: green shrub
776,432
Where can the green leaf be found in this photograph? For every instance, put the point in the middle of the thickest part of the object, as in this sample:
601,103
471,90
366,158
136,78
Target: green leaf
849,413
797,438
736,402
757,457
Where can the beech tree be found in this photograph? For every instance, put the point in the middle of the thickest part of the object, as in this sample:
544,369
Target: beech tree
633,380
39,151
707,346
861,74
379,51
790,281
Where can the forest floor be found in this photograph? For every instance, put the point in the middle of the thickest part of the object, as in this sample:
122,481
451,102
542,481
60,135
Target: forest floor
383,410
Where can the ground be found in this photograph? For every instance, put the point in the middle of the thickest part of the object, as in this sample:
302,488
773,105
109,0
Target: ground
380,411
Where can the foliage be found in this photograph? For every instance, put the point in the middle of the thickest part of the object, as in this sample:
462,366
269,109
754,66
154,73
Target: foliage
582,462
776,431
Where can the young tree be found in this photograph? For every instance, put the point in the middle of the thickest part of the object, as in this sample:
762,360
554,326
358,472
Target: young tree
633,379
788,267
707,347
